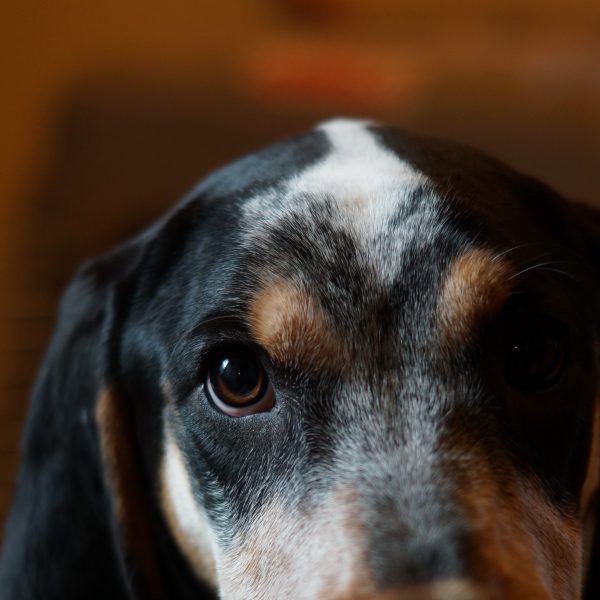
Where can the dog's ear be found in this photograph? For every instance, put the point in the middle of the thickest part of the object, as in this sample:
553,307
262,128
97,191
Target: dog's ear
64,535
587,222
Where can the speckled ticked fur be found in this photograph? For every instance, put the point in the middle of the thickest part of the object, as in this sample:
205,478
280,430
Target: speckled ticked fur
375,273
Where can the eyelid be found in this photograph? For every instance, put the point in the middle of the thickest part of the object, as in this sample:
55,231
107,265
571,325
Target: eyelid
553,330
218,322
260,406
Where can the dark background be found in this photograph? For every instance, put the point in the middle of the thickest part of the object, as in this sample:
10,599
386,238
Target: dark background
110,110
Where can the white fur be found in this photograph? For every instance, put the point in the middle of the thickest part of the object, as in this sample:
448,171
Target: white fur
186,519
367,181
286,554
363,177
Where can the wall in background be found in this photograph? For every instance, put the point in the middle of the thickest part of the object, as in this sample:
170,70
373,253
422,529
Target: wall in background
110,110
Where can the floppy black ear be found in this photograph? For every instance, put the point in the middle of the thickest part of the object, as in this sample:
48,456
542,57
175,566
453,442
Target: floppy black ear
62,538
587,222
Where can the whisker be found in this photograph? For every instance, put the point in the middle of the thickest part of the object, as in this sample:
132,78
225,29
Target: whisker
560,272
544,266
502,254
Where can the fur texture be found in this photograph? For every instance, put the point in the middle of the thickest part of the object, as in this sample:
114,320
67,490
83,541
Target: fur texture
379,277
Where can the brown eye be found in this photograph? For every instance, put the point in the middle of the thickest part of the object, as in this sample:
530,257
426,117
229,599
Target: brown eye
238,385
535,353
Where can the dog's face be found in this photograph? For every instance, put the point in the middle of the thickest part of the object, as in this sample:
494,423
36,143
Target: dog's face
359,364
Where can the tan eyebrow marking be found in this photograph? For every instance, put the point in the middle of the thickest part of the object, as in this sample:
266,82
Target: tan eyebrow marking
292,326
477,285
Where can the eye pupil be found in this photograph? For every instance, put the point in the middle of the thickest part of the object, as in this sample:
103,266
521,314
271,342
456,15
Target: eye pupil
535,355
241,376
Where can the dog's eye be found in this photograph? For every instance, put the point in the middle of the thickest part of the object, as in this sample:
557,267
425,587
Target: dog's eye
238,385
535,353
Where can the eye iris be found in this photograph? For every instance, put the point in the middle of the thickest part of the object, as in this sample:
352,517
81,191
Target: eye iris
535,357
238,379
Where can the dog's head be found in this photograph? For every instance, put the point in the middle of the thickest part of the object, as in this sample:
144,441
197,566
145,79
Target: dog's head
357,364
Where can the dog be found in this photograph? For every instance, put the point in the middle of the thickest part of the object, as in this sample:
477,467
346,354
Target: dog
358,364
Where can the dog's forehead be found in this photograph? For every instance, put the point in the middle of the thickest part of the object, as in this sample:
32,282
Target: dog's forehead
350,213
354,241
357,181
363,176
357,226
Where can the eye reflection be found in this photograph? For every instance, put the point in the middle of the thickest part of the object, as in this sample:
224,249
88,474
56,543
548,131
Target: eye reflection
534,353
238,385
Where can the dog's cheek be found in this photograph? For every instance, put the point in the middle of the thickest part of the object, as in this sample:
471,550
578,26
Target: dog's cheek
524,546
187,521
286,553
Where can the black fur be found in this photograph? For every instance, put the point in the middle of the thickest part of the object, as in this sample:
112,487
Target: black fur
157,309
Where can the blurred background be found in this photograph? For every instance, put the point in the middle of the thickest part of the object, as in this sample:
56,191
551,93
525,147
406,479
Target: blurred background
110,110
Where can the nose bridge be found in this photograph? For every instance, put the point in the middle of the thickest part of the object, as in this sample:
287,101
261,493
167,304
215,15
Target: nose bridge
455,520
444,589
417,529
418,532
437,501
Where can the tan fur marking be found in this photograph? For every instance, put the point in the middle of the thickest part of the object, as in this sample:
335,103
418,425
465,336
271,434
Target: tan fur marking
452,589
130,499
289,323
525,547
447,589
475,288
184,517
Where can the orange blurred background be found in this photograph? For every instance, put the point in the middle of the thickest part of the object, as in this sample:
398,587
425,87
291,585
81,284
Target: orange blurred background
110,110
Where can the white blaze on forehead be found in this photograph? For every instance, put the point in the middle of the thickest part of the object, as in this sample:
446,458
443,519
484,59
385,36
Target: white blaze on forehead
367,183
356,166
359,173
